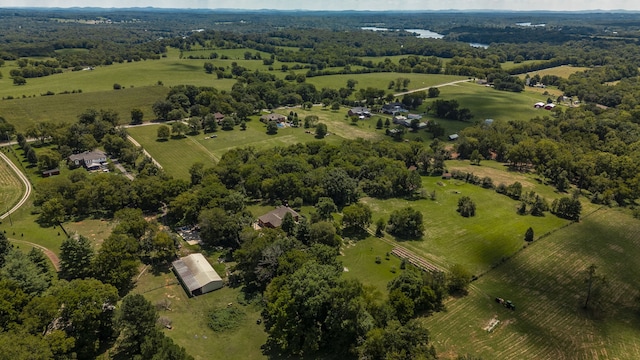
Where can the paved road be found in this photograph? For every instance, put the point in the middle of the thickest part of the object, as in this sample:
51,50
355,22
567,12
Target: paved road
24,180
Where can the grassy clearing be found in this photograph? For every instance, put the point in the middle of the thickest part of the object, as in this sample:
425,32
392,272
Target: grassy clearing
95,230
66,108
359,260
189,319
562,71
381,80
546,283
508,65
488,103
479,242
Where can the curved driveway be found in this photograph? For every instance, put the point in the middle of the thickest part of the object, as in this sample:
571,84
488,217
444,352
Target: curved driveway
24,180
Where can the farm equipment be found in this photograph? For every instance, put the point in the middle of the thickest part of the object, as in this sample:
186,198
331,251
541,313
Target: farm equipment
506,303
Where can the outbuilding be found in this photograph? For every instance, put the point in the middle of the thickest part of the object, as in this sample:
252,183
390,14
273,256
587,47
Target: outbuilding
196,275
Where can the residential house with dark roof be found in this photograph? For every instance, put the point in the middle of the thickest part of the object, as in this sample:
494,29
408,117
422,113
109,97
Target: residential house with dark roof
393,108
90,160
359,111
273,219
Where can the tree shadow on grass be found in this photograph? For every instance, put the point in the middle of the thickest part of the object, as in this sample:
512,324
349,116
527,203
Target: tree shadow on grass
355,233
162,140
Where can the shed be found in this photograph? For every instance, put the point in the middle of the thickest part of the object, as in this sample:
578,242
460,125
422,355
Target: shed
453,137
196,274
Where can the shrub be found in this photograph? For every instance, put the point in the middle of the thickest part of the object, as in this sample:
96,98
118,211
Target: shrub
221,319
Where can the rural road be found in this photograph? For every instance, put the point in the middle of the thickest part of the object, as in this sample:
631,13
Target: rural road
24,180
134,142
434,86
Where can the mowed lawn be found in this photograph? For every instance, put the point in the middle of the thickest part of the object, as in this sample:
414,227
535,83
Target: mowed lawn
546,283
478,242
488,103
359,260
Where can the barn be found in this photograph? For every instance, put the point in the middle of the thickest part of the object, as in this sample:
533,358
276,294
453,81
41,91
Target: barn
196,275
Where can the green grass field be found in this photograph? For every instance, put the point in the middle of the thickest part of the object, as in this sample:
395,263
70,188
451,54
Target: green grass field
359,260
488,103
189,319
177,155
66,108
561,71
11,188
545,281
381,80
479,242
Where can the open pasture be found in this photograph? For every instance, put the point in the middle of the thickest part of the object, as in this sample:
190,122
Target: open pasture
381,80
65,108
562,71
479,242
488,103
546,283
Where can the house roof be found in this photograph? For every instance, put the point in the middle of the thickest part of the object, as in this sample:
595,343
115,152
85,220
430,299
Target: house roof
195,271
218,116
275,217
359,110
89,156
273,117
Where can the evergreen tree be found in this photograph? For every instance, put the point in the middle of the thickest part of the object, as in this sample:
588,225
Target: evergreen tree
76,254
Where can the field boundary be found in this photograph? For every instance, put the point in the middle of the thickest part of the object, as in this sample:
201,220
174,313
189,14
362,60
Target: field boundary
24,180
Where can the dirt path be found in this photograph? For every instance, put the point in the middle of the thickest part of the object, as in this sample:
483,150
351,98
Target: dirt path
50,254
134,142
434,86
24,180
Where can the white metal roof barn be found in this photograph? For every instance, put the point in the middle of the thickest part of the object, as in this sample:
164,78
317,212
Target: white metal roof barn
196,274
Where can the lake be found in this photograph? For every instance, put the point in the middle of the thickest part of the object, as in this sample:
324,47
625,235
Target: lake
422,33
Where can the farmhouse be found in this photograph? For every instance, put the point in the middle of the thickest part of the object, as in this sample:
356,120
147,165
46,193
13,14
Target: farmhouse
401,120
393,108
91,160
273,219
196,274
359,111
273,117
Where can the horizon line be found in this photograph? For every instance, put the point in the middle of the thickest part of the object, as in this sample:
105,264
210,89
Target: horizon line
316,10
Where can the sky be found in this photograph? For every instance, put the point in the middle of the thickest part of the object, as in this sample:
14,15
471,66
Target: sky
555,5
